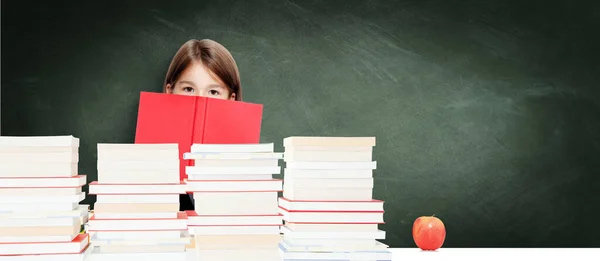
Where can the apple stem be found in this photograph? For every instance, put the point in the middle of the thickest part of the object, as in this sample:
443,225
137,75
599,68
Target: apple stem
433,215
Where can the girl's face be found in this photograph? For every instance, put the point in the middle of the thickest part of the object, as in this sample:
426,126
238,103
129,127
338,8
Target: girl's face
196,80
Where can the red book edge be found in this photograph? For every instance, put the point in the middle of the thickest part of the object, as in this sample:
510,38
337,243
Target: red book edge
38,178
180,216
330,211
334,201
95,183
231,191
335,223
39,187
79,186
140,230
149,194
55,254
121,193
235,180
192,213
240,225
77,239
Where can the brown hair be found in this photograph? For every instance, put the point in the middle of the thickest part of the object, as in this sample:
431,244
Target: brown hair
214,56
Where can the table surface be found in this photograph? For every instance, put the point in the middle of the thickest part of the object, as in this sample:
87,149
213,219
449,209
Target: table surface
463,254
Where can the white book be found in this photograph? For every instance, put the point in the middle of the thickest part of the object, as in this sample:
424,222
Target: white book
154,215
315,247
241,253
328,173
137,151
381,255
39,222
36,210
128,249
235,203
39,157
38,170
229,185
22,208
37,239
331,165
141,242
225,163
233,230
44,247
321,205
138,199
149,176
233,148
200,170
327,156
83,256
137,147
132,189
325,227
287,233
144,180
329,148
327,194
332,217
136,224
329,183
232,155
334,242
255,220
198,177
25,198
75,181
328,141
165,164
99,255
39,141
138,235
40,191
241,241
29,150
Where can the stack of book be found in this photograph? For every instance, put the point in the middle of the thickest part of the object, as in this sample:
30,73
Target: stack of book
327,202
236,213
137,204
40,191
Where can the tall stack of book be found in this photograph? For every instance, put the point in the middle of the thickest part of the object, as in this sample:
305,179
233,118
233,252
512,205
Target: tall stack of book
236,213
40,191
137,204
327,202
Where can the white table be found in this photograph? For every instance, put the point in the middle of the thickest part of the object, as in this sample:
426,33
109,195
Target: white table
463,254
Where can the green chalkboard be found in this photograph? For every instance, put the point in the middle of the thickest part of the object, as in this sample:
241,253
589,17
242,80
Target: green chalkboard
486,113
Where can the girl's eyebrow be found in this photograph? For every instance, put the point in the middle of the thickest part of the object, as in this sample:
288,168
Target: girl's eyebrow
188,82
214,86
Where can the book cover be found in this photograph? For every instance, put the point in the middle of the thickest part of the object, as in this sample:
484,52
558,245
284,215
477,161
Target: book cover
169,118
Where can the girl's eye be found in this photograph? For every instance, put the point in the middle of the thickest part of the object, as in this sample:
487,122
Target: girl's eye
213,92
188,89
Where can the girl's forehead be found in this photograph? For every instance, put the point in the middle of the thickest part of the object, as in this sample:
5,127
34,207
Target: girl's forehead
199,76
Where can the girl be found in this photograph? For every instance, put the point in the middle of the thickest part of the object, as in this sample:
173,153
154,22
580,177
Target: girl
202,68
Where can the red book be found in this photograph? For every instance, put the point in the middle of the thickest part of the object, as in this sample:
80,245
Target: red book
187,120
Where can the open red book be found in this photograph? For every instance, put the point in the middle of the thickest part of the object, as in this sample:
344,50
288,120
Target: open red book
170,118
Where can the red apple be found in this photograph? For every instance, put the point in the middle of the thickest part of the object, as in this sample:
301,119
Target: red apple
429,233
